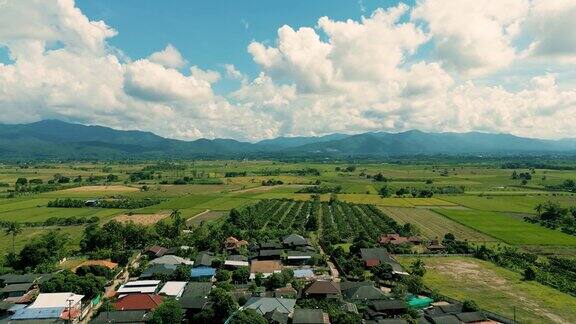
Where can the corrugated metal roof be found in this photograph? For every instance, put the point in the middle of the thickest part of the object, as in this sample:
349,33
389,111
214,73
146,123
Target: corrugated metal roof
173,288
56,300
140,283
202,272
38,313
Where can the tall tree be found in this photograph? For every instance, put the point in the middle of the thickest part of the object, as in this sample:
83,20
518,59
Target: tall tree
13,229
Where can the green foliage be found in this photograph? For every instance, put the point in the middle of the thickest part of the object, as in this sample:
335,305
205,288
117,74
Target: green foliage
248,316
125,203
469,306
223,303
321,189
241,275
414,283
382,271
222,275
114,235
67,281
385,192
96,270
168,312
44,251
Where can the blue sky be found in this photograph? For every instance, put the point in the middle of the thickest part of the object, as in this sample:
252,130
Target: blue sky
216,32
251,70
211,33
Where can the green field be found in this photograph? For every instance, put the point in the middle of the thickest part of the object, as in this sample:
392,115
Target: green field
497,289
508,229
28,234
500,193
434,226
508,203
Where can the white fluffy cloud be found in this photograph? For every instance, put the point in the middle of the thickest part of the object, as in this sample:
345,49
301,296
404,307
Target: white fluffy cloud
551,25
374,74
169,57
473,37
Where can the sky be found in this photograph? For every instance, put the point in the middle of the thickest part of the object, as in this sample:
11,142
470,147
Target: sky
257,69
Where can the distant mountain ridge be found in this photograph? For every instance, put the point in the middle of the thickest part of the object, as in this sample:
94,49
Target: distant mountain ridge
53,139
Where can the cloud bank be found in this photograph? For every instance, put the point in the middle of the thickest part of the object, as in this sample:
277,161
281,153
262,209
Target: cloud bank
432,67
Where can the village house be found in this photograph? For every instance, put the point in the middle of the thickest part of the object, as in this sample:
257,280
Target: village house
264,305
322,289
139,287
143,302
51,306
310,316
396,239
171,260
266,268
375,256
173,289
194,298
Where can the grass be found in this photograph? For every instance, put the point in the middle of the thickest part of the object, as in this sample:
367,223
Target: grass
497,289
433,225
29,233
508,229
508,203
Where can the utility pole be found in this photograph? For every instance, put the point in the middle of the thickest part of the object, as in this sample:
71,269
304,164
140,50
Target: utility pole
70,310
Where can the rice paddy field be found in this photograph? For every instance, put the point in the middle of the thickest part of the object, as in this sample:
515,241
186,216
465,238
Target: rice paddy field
434,226
508,229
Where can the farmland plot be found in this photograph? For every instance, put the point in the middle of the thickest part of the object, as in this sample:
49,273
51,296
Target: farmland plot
508,229
433,225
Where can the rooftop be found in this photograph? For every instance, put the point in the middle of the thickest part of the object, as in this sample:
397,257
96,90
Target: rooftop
51,300
172,260
138,302
134,316
323,287
38,313
264,305
265,266
202,272
308,316
173,288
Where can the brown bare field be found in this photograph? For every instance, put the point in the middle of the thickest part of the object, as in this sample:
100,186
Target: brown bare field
144,219
104,189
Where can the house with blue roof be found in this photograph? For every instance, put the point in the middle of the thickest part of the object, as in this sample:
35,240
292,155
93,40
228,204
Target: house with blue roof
202,273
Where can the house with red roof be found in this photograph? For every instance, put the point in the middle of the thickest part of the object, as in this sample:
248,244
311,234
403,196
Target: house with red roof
145,302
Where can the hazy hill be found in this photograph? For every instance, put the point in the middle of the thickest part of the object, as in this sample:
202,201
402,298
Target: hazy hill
52,139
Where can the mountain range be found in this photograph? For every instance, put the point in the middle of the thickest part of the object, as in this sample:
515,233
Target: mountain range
54,139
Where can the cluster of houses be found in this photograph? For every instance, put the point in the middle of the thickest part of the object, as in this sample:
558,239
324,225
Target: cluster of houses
135,298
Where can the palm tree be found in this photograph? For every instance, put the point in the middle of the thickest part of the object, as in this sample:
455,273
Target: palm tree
177,220
13,229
